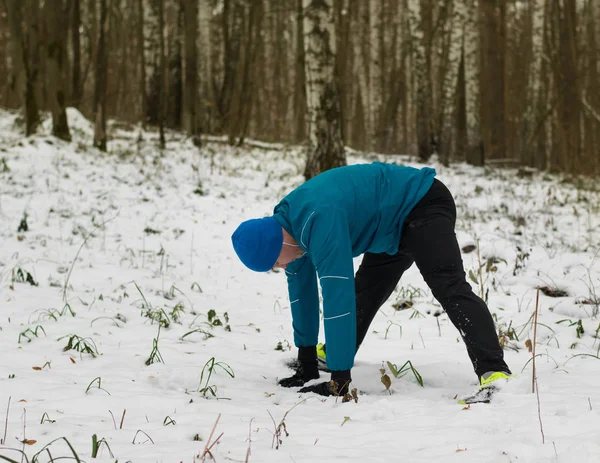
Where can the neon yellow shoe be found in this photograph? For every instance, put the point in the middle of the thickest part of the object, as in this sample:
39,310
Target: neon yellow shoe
490,377
321,357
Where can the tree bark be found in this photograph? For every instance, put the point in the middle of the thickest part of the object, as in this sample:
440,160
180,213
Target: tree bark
76,76
423,88
375,71
190,74
100,136
56,49
472,65
326,149
23,16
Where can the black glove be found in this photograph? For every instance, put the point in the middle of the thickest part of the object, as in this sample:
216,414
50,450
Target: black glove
307,368
337,386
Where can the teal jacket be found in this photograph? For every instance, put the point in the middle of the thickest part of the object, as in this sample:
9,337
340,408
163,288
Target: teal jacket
337,215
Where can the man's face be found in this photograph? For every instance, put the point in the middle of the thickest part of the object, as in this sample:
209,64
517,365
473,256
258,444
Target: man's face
288,254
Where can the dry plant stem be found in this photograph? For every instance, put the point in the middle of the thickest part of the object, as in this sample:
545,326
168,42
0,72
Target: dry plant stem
537,300
249,441
122,419
206,447
113,418
539,412
3,441
79,250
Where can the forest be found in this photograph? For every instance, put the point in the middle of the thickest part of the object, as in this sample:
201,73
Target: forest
505,82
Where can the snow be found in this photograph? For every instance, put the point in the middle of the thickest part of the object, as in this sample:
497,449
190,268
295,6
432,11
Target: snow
106,224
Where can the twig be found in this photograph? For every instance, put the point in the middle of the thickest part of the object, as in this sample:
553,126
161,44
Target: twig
250,441
276,435
537,299
113,418
206,447
122,419
3,440
79,250
537,392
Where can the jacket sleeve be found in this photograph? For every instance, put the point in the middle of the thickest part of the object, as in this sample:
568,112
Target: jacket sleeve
331,251
304,302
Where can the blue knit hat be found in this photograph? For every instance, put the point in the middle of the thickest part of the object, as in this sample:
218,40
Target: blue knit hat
257,242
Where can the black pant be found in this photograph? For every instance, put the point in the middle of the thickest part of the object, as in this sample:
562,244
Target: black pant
428,239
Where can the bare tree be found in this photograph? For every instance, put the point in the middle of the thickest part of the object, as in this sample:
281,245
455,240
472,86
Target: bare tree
76,75
449,106
190,63
325,146
56,49
471,64
101,73
153,36
23,16
422,77
375,70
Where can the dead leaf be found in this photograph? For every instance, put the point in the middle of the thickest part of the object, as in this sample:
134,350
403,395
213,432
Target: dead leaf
386,381
72,360
529,345
22,400
461,450
269,394
454,398
28,441
468,407
37,368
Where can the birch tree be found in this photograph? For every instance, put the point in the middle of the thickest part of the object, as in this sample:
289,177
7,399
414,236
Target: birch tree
421,76
325,146
450,86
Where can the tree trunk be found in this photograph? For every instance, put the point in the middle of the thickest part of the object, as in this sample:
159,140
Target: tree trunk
206,79
162,76
326,149
449,101
233,16
375,70
568,82
300,81
472,64
423,101
535,108
493,124
100,136
152,59
23,17
56,49
190,75
76,77
174,95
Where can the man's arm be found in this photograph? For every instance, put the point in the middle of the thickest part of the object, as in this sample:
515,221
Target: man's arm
330,248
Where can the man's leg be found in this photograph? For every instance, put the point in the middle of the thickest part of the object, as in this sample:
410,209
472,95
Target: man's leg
429,235
375,281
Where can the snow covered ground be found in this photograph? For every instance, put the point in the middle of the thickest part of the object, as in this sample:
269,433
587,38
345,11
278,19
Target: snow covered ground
133,268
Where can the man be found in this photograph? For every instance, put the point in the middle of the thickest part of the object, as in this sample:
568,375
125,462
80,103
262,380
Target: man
394,215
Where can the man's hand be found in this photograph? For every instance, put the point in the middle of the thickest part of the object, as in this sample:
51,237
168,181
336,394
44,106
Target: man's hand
304,373
337,386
